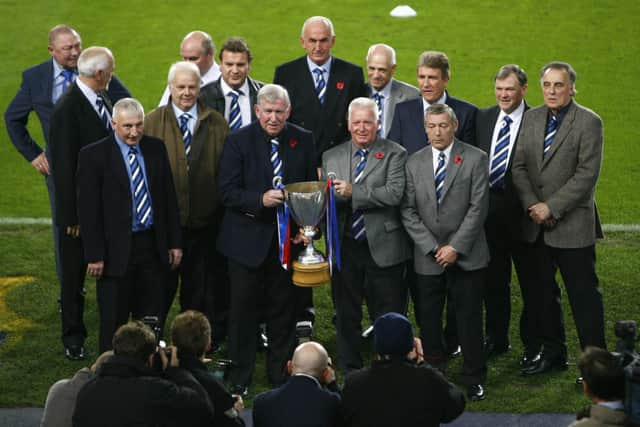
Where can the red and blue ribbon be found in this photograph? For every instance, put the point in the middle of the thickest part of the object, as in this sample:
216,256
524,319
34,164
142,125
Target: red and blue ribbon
333,237
284,241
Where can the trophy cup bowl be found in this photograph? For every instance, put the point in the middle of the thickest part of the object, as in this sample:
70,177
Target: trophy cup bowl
307,205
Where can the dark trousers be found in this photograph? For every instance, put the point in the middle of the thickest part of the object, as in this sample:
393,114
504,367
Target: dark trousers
578,270
55,229
139,292
269,286
361,279
465,290
73,270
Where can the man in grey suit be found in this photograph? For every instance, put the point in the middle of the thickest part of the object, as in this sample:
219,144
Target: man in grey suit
383,88
369,184
444,207
555,171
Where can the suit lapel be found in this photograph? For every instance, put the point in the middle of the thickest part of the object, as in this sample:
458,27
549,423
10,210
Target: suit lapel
196,143
454,163
47,80
335,86
372,159
489,126
565,128
308,87
118,166
426,174
418,117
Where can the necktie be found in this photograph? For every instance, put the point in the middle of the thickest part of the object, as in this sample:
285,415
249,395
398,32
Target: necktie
357,218
102,112
550,132
500,155
441,172
378,97
67,75
186,133
235,118
321,85
276,163
140,194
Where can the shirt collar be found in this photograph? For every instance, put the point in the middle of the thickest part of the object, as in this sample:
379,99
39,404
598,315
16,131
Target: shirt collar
124,147
226,88
178,112
446,151
89,93
315,380
441,100
326,66
515,114
386,91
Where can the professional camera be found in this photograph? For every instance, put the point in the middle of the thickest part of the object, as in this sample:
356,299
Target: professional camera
154,324
221,368
626,331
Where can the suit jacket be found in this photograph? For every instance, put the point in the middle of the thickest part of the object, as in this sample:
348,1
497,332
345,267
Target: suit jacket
105,202
565,178
327,121
458,220
35,95
400,92
407,128
195,182
74,124
212,96
248,228
300,402
504,203
377,195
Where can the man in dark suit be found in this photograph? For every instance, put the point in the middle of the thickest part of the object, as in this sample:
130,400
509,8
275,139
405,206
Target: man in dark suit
309,397
320,85
443,210
234,94
496,134
129,220
42,86
555,172
383,88
81,116
369,185
251,158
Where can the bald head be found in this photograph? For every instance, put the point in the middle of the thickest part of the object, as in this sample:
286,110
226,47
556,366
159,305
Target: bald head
198,47
310,358
381,65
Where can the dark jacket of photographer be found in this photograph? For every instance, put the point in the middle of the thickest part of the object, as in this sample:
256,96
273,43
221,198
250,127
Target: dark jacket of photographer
126,392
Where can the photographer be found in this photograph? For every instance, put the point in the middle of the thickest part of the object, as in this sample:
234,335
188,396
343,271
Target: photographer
191,334
603,383
126,391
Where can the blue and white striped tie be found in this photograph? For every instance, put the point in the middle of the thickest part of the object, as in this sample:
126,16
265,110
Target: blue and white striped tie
186,133
235,118
276,163
321,85
550,133
441,172
378,97
357,218
102,112
140,193
500,156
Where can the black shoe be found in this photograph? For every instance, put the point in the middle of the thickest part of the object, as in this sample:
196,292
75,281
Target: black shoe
74,352
456,352
492,349
475,392
240,390
545,364
529,359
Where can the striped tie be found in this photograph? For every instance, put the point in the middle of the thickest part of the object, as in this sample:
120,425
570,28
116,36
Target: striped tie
140,194
186,133
68,77
276,163
235,118
500,155
102,112
550,132
321,85
357,218
378,97
441,172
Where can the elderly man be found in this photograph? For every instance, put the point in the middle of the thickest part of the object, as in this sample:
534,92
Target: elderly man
443,210
193,135
129,220
197,47
234,94
310,394
251,158
42,86
80,117
369,183
555,172
398,390
320,85
383,88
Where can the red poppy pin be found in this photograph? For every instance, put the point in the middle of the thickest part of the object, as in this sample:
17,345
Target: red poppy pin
457,160
293,142
340,85
379,155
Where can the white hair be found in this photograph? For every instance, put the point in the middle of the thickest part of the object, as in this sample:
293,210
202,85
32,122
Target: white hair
183,67
94,59
363,103
128,107
325,21
391,51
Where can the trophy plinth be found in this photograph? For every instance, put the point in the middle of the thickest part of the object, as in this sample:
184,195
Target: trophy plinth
309,275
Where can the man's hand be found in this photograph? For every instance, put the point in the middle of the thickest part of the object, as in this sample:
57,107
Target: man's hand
272,198
446,256
417,353
73,231
329,374
539,212
95,269
343,188
238,405
41,164
175,258
173,362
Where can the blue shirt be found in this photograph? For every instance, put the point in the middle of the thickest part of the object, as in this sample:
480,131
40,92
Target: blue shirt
136,225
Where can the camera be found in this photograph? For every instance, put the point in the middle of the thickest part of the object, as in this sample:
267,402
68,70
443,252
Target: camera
154,324
221,368
304,331
629,359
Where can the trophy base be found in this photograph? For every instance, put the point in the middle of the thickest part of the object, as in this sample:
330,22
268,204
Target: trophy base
309,275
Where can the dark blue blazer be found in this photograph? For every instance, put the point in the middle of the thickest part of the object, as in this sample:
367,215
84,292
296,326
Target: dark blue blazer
300,402
248,229
407,128
35,95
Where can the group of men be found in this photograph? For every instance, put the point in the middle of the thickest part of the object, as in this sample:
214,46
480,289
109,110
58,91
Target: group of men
435,198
